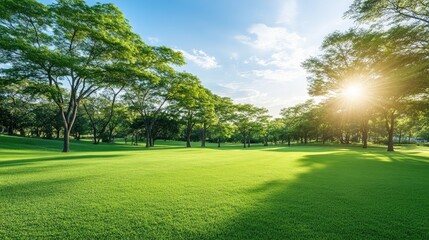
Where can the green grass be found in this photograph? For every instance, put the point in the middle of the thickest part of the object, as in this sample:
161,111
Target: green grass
276,192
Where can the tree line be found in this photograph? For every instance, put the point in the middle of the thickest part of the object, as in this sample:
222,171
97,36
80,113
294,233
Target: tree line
71,70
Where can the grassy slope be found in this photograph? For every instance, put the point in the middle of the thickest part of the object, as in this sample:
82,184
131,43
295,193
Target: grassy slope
172,192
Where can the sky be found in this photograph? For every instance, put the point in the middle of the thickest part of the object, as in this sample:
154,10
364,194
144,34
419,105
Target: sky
249,50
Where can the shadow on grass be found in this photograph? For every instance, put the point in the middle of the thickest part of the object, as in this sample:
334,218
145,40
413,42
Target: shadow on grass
342,195
21,162
19,145
311,147
29,191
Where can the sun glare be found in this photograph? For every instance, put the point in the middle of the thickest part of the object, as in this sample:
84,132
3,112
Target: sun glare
353,92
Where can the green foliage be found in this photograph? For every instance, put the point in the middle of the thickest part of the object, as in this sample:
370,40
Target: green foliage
398,11
69,50
191,102
223,116
386,64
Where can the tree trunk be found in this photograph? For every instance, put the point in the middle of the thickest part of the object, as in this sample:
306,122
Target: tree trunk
94,133
218,142
364,130
390,141
248,140
110,134
10,130
66,146
347,138
188,138
203,135
151,137
148,140
365,139
390,132
288,141
244,140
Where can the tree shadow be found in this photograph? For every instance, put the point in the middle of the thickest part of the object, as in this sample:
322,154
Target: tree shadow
19,145
26,161
29,190
311,147
342,195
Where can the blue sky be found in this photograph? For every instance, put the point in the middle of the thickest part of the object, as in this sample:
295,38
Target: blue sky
249,50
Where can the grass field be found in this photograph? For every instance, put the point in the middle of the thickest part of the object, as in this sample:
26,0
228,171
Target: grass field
276,192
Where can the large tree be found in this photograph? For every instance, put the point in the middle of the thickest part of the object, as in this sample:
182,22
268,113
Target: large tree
190,101
150,97
223,113
413,18
68,49
382,64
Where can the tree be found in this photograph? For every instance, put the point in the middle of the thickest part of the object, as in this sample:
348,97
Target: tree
412,16
16,107
81,125
207,114
298,121
67,49
149,96
247,120
276,129
119,119
45,119
397,11
100,110
189,102
385,69
167,127
223,113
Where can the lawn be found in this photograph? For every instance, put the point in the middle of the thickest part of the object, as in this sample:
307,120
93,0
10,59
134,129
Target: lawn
171,192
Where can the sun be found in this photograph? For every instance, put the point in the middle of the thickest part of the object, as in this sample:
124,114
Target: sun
353,92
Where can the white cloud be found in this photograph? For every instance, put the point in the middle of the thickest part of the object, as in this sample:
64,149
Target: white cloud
281,55
200,58
240,93
279,75
288,12
265,38
285,59
273,73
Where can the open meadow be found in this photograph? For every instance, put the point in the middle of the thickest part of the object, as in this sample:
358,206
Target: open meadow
169,191
89,88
